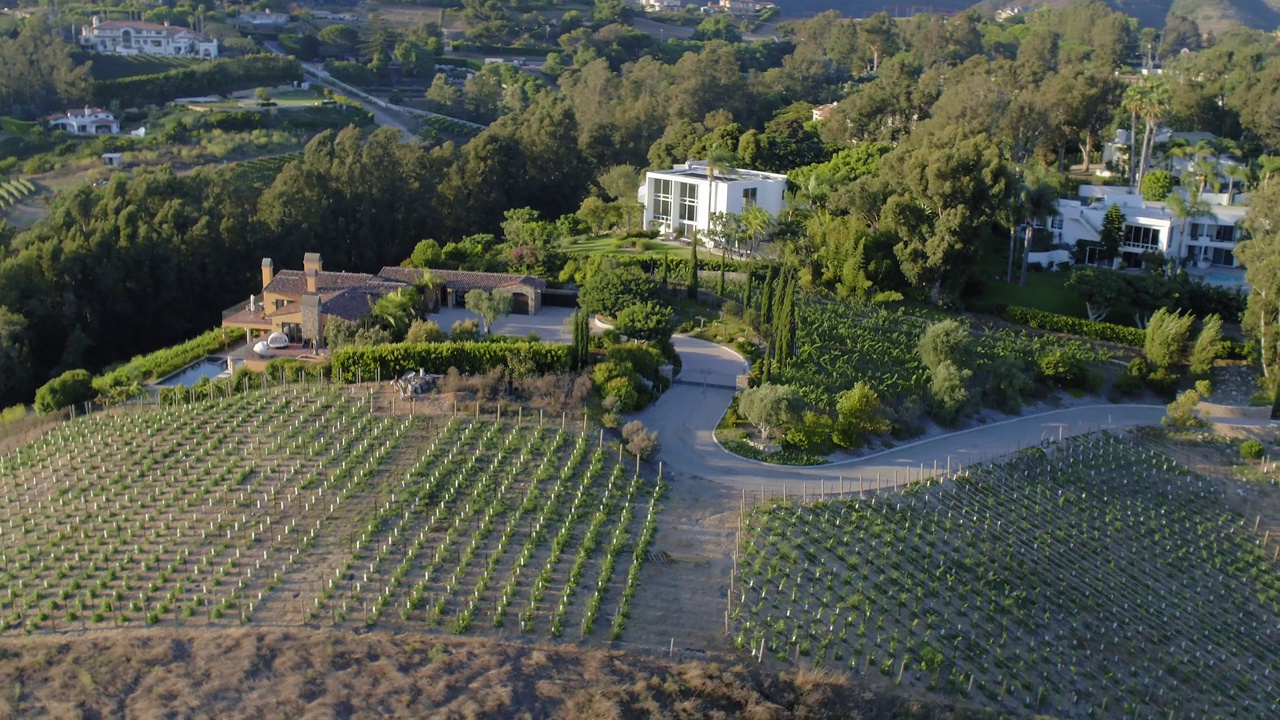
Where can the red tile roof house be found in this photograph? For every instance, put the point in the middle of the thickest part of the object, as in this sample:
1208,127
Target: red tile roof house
299,303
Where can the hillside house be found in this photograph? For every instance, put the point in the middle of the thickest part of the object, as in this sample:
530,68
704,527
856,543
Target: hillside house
683,199
132,37
85,121
300,303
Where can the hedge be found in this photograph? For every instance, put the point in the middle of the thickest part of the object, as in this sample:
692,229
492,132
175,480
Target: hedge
216,77
162,362
70,388
1075,326
366,362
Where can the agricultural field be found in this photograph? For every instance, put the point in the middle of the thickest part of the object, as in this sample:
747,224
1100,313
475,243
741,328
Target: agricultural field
1098,580
263,171
298,505
839,345
14,191
109,66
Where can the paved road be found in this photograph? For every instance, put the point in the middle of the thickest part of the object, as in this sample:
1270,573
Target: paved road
687,413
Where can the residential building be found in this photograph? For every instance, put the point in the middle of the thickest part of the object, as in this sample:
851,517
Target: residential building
744,7
683,199
300,303
85,121
1202,241
820,112
132,37
261,21
662,5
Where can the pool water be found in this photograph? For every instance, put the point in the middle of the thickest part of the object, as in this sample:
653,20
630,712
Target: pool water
209,367
1223,278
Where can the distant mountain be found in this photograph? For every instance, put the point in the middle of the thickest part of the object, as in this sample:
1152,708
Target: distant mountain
1214,16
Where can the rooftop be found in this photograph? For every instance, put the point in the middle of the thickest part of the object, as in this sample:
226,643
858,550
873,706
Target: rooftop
698,169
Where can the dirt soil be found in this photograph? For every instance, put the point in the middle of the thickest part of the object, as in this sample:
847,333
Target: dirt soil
332,674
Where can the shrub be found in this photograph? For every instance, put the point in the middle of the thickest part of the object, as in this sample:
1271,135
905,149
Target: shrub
1207,347
70,388
13,413
946,341
1163,382
624,393
468,357
1054,322
641,441
421,331
1156,185
1181,412
465,331
770,407
1064,370
812,434
857,415
1251,450
949,393
1166,339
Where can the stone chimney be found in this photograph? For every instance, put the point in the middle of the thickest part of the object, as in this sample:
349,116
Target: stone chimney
313,280
312,261
268,272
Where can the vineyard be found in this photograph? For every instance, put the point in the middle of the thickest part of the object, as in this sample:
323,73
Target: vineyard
1099,580
109,66
263,171
840,345
296,504
449,126
14,191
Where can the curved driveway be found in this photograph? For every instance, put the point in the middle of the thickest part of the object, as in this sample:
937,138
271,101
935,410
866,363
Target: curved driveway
686,415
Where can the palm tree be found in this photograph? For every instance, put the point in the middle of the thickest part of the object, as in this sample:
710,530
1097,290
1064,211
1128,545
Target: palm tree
1270,165
721,159
1206,173
1035,200
757,222
1237,171
1150,100
1185,209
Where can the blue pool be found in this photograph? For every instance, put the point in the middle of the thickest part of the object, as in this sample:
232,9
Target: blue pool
1219,278
209,367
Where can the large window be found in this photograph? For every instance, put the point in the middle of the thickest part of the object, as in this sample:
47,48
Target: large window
749,196
688,203
660,191
1225,233
1147,238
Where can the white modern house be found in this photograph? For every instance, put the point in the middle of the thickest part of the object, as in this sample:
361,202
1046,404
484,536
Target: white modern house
683,199
261,21
85,121
130,37
1203,241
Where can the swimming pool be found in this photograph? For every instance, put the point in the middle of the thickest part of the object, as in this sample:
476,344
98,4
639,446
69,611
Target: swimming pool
1219,278
209,367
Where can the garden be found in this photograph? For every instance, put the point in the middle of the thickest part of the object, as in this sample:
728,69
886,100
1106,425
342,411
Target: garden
297,504
1094,579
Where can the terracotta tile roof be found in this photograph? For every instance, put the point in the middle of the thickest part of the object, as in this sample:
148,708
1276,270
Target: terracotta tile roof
466,279
170,30
353,304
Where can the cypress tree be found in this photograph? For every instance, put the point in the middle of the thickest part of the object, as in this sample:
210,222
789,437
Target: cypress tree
575,348
786,324
691,289
766,299
746,294
666,265
724,255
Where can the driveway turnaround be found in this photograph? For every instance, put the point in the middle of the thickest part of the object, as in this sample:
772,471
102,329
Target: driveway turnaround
686,415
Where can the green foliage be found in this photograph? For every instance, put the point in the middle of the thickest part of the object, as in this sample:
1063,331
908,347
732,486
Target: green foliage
648,321
424,331
614,289
1251,450
770,407
646,360
1167,334
1041,320
467,357
12,414
949,392
216,77
70,388
858,415
946,341
155,365
1156,185
1064,370
490,306
640,441
466,331
813,434
1207,347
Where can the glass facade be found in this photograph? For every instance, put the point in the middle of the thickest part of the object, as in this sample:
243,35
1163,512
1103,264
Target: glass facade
1146,238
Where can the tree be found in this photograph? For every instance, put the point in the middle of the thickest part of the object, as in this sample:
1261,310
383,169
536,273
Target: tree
70,388
1112,232
946,341
770,407
1101,290
1166,340
857,415
1157,185
396,311
15,367
1260,255
647,321
1149,100
580,348
1035,200
612,290
426,254
722,160
640,441
691,282
1207,346
444,97
490,306
949,391
950,187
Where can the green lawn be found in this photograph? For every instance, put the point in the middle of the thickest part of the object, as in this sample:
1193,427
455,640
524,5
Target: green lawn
1043,291
609,245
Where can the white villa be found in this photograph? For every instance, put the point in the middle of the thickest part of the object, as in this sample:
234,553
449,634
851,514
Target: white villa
683,198
85,121
1203,241
130,37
